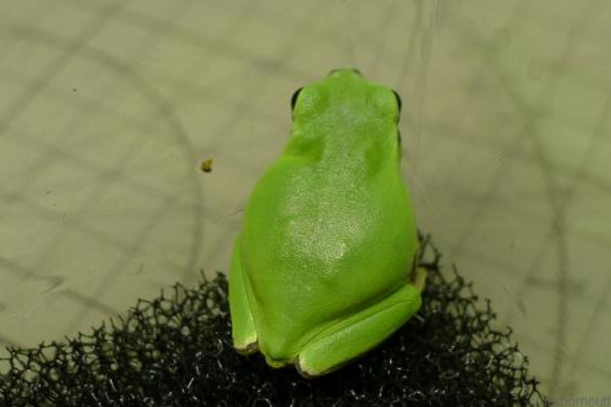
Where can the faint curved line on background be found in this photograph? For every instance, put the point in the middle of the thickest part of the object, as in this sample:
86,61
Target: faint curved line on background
426,25
8,342
283,52
106,14
149,92
600,131
557,200
380,45
22,271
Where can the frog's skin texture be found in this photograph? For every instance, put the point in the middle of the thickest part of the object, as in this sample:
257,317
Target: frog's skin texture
323,269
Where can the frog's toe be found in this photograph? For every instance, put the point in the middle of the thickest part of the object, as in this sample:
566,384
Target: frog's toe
304,372
310,372
249,349
276,363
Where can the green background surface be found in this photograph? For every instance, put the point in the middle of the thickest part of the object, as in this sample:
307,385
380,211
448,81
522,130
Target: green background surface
108,107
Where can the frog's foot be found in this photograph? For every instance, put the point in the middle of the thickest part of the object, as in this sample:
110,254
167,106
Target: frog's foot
346,340
243,325
249,349
276,363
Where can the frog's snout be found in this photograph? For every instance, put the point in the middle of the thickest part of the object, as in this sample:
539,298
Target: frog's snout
353,70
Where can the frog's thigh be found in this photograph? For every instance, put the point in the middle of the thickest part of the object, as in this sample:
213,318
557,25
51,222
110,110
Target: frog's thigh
243,326
350,338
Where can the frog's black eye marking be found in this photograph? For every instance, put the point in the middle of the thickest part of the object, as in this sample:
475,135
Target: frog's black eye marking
399,104
294,98
399,107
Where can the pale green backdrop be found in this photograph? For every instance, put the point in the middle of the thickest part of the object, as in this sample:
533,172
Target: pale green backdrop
107,108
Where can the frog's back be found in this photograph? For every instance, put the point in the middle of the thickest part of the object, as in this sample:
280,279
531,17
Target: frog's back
329,229
320,243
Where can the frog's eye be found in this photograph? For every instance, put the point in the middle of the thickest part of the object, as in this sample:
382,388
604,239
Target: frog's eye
294,98
398,100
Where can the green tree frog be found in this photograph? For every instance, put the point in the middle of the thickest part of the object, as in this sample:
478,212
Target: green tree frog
324,268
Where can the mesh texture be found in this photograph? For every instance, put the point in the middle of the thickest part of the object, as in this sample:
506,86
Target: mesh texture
176,350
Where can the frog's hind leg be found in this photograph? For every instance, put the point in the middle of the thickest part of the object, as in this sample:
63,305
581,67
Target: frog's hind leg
243,326
346,340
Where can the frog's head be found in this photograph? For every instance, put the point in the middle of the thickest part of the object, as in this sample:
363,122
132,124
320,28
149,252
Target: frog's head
345,109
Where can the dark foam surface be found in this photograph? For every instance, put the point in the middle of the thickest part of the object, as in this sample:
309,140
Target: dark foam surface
176,350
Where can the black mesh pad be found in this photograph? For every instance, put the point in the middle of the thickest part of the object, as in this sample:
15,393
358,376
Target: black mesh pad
176,350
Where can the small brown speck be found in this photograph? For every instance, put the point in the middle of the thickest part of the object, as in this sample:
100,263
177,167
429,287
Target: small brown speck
206,165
